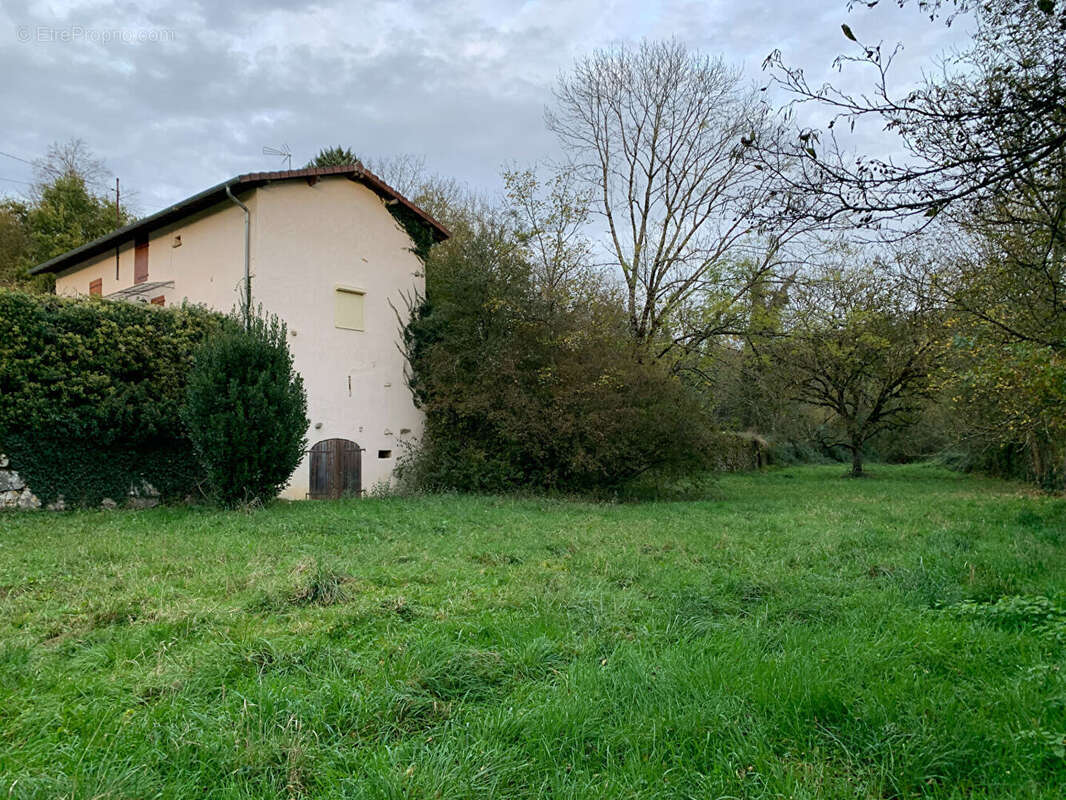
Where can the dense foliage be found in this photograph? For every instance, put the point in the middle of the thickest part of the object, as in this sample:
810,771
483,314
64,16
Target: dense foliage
524,388
1005,277
90,393
1008,404
246,412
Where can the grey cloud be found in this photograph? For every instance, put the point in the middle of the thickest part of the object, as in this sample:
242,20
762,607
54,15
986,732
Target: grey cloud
462,83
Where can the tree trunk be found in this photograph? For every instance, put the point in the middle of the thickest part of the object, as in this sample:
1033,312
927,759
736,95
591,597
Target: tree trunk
856,460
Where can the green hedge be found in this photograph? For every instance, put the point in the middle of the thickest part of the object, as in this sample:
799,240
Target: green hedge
740,452
1039,461
90,392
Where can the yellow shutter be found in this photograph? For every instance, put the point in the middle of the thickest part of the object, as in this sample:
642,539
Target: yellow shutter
348,309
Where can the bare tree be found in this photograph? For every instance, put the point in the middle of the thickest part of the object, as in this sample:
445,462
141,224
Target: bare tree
658,133
406,172
70,158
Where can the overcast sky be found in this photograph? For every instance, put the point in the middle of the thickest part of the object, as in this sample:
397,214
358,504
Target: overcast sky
178,96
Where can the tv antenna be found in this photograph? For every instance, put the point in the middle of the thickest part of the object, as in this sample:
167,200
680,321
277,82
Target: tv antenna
282,152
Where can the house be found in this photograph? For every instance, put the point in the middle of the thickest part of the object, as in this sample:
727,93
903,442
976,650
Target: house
325,252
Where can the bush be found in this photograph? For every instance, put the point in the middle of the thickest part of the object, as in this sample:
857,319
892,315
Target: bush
246,412
1009,409
792,452
1038,461
522,389
90,393
740,452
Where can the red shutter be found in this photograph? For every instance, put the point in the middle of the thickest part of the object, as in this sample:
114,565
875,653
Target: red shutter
159,301
96,287
140,261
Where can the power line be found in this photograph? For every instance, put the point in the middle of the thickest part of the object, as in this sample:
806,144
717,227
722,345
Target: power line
17,158
16,180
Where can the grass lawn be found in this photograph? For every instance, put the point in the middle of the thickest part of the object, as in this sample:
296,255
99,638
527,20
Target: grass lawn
792,635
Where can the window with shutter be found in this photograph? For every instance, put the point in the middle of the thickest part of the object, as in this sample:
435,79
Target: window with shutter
140,260
348,309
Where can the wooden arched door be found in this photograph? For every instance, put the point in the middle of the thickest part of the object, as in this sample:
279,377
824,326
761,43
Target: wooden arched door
336,470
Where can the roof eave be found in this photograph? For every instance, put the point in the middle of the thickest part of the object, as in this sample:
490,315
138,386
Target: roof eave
217,194
117,238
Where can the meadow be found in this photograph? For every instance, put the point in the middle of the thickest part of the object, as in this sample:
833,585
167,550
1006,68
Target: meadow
787,634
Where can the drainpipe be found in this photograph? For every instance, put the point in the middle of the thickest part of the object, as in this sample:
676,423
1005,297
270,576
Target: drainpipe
247,255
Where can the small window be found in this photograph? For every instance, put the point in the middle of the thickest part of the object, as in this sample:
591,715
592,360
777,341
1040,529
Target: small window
159,301
348,309
384,454
96,287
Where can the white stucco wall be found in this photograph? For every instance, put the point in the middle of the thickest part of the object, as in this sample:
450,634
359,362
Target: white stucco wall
306,241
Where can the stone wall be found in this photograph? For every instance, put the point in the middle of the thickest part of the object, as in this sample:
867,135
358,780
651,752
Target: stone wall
14,493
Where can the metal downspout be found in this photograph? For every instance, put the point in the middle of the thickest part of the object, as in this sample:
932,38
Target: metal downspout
247,258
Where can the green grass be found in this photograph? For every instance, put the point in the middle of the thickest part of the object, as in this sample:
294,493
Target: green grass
792,635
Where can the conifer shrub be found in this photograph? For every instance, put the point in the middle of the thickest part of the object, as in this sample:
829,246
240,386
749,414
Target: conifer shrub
246,412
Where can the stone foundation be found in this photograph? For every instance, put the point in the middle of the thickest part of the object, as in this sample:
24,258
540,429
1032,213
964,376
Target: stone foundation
14,493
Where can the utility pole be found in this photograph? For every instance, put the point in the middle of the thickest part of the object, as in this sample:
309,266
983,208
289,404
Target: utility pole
118,223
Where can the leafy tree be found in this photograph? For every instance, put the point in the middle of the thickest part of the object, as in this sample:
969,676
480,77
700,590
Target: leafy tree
67,215
246,412
986,175
14,243
1005,277
65,209
549,221
335,157
1009,405
860,349
1006,267
747,388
